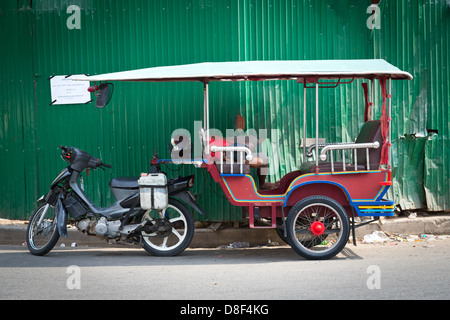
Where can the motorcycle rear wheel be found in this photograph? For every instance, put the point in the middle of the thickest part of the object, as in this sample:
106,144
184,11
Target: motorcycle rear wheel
42,231
175,233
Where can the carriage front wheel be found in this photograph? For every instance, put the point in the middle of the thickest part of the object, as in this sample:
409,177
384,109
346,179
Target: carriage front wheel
318,228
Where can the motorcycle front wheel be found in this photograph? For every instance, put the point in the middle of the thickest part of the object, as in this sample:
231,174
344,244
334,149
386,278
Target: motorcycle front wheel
42,231
171,232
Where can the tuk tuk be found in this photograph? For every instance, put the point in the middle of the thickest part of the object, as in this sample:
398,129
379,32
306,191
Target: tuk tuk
314,207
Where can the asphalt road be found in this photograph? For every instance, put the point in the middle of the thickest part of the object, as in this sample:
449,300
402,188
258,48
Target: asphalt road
413,270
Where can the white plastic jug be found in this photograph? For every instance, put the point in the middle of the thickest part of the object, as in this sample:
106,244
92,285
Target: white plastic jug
153,191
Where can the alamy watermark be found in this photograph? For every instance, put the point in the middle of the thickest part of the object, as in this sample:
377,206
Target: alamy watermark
263,143
374,280
74,20
74,280
374,20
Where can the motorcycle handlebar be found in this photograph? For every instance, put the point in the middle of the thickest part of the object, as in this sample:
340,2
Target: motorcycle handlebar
100,164
92,162
105,165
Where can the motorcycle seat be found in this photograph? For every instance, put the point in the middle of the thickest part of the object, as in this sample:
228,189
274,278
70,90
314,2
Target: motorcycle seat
124,183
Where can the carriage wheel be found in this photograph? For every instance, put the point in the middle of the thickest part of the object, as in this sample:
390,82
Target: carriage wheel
317,228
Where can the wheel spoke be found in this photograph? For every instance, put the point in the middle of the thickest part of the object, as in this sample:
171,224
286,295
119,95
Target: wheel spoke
176,219
175,232
164,244
331,231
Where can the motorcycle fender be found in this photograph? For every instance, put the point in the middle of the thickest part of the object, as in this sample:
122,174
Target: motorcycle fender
188,199
41,200
61,217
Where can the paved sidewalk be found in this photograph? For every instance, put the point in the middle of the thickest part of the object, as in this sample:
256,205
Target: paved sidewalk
13,233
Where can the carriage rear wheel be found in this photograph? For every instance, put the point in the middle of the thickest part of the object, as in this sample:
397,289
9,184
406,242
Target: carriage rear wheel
318,228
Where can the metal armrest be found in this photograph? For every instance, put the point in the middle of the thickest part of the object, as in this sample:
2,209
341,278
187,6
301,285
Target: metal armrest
349,146
240,149
249,156
371,145
311,148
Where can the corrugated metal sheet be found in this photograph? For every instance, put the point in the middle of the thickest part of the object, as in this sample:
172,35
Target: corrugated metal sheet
414,35
18,172
118,35
309,30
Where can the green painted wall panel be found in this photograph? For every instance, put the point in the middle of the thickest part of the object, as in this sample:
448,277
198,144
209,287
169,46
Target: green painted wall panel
118,35
18,172
414,35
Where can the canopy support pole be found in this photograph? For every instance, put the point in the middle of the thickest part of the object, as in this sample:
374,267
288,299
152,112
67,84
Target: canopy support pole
371,99
390,124
317,127
304,121
206,112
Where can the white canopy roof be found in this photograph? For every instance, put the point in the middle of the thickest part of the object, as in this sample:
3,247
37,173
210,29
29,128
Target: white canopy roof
259,70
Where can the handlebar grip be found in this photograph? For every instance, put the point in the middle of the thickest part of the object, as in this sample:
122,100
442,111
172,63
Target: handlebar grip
105,165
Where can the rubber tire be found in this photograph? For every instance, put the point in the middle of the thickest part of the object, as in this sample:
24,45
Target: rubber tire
295,244
50,244
187,240
280,230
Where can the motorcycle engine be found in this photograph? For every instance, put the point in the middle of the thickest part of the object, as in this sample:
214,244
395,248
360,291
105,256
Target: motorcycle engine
100,227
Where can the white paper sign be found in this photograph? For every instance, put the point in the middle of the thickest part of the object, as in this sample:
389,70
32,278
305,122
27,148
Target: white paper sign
66,91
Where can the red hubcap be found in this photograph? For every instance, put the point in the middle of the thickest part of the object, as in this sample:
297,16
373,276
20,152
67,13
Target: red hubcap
317,228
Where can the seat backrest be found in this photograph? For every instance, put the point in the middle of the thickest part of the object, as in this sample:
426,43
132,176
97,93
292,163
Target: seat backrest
370,132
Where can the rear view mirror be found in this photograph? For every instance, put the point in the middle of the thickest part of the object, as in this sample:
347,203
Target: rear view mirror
104,94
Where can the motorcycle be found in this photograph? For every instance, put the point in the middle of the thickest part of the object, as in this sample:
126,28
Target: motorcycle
164,231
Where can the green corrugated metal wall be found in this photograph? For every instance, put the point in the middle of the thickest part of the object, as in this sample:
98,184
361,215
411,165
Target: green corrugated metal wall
18,173
415,35
118,35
